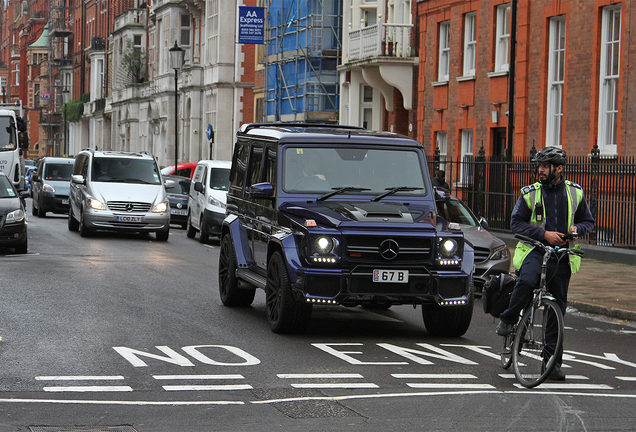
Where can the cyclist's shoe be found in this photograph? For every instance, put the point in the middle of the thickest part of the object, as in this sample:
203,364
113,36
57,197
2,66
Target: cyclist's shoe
504,329
557,374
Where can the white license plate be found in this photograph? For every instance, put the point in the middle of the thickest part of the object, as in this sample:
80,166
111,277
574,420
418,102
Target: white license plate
129,218
391,276
179,212
65,201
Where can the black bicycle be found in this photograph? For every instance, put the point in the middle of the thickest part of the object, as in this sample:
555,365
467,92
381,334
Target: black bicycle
537,340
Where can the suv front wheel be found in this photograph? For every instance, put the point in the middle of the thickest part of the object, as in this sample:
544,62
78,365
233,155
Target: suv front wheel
229,291
284,313
448,321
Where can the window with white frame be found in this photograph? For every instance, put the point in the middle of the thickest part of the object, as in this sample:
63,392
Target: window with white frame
609,75
467,156
212,31
186,34
470,43
3,84
441,141
556,80
502,49
17,74
444,51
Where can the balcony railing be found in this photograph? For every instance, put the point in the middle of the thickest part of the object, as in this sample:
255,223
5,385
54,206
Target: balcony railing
383,39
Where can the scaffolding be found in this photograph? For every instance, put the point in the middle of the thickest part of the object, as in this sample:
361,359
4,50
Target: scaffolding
303,52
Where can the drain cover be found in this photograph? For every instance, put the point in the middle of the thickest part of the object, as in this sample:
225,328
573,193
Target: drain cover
82,429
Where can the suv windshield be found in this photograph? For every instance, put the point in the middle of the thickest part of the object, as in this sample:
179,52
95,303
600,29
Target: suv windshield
58,171
359,170
125,170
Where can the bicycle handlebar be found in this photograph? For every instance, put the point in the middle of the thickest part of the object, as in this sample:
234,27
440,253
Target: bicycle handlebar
556,250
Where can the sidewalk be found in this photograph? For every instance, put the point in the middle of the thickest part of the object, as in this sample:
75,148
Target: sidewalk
605,284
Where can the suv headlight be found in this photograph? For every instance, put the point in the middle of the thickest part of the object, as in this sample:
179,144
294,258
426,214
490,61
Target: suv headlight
162,207
15,216
449,251
322,249
96,204
500,253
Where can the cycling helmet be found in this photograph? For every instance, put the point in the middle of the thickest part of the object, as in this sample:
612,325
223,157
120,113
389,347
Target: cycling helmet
551,154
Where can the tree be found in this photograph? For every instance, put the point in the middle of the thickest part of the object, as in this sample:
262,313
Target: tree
134,62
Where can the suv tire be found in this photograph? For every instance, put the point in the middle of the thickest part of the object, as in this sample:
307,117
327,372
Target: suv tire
163,235
448,321
229,291
83,229
73,225
284,313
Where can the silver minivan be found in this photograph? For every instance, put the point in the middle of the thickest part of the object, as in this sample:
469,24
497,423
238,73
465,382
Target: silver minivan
118,191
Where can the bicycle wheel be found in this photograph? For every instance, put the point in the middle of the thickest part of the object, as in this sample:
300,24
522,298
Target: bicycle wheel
538,343
506,350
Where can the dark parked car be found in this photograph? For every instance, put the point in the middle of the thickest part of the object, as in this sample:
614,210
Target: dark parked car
50,185
491,253
323,215
13,226
177,189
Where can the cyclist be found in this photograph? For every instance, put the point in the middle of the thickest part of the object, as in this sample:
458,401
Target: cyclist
546,211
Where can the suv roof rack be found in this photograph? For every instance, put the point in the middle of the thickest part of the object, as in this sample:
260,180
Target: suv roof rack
249,126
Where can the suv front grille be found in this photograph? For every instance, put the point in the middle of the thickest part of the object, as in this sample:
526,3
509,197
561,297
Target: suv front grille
373,248
129,206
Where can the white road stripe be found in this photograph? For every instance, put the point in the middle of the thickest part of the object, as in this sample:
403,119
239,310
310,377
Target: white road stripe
626,378
550,386
450,386
570,377
89,389
78,378
318,376
434,376
335,385
219,387
197,377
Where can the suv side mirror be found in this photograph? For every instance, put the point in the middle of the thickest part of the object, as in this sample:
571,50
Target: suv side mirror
78,179
261,190
483,223
198,186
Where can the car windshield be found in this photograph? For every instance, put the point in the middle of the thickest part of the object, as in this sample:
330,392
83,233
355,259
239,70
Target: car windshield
220,178
58,171
181,186
6,188
454,210
125,170
354,170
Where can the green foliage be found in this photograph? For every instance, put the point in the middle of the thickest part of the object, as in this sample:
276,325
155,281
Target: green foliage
133,61
73,110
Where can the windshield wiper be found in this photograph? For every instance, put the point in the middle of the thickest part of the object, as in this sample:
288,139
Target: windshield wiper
391,191
338,190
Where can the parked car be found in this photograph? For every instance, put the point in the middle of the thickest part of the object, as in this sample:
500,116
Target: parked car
118,191
185,169
208,197
50,185
13,221
324,215
491,253
28,173
178,189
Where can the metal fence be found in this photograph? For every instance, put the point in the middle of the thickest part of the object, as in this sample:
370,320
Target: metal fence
491,185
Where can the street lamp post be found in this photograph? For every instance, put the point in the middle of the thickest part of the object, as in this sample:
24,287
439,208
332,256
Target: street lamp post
66,93
176,62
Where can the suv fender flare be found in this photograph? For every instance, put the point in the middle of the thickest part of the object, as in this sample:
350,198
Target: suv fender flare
468,262
285,243
232,226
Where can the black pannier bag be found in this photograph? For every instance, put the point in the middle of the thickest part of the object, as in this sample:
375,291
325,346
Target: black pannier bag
496,293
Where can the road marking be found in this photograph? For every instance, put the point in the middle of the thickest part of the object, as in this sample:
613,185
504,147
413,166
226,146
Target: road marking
435,376
626,378
335,385
120,402
549,386
197,377
574,377
318,376
450,385
88,389
219,387
78,378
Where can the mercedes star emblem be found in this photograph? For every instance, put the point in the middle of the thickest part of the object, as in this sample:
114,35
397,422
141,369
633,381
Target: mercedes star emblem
389,249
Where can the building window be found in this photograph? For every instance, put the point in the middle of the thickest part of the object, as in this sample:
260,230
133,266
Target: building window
470,44
212,30
502,50
444,51
467,157
36,95
556,79
367,107
441,140
609,75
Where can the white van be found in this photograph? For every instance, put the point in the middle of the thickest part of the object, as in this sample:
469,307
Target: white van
208,198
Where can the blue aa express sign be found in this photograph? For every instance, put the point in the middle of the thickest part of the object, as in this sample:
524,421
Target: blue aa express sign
251,26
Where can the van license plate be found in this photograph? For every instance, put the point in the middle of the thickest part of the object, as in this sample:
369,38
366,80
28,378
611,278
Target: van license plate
179,212
64,201
391,276
129,218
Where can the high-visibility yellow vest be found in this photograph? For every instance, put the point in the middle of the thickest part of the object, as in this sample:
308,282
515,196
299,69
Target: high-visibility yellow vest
532,195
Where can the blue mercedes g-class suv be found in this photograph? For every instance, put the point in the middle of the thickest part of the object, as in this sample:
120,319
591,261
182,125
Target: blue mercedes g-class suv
336,215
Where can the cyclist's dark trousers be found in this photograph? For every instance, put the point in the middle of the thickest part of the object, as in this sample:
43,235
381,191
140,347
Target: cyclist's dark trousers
529,279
